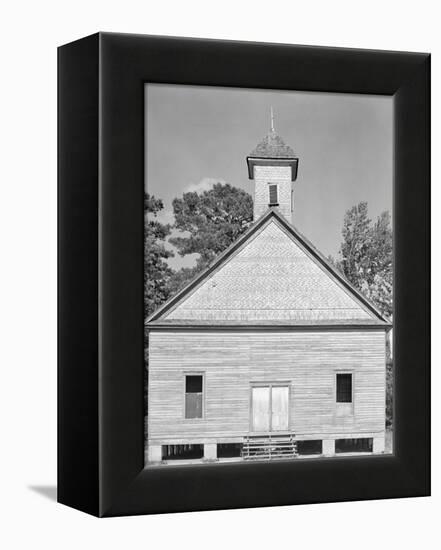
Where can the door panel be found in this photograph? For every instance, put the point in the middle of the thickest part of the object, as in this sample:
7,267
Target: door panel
260,408
280,408
270,408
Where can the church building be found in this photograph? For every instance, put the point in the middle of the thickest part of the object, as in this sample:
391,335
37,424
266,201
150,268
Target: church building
269,353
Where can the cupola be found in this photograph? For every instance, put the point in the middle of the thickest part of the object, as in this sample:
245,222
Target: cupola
273,167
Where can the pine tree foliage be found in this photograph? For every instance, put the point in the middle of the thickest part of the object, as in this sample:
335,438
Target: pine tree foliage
212,220
209,222
180,278
157,272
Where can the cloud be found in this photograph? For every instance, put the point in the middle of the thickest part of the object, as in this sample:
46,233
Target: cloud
204,185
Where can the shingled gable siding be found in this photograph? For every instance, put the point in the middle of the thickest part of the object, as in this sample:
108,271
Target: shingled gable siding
230,361
273,279
280,175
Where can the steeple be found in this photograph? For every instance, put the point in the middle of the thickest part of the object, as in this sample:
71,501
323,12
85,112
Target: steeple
273,167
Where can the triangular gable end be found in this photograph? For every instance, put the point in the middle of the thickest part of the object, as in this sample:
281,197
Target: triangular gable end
271,275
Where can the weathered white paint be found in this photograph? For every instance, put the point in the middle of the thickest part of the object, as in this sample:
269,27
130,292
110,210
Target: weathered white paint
328,447
307,361
154,453
210,451
263,177
378,444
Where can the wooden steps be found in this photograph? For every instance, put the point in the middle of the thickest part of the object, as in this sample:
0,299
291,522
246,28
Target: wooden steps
269,447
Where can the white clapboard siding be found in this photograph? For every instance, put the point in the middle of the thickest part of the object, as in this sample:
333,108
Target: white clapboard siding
231,360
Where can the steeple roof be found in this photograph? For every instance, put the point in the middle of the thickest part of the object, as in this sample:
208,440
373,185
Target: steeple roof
273,146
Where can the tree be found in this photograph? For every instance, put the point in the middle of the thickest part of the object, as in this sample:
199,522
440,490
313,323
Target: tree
366,261
366,256
378,286
210,222
354,250
157,272
180,278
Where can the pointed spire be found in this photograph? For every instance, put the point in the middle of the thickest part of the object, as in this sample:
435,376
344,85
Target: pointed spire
272,119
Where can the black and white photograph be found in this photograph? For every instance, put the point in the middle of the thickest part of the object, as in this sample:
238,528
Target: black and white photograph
219,241
268,271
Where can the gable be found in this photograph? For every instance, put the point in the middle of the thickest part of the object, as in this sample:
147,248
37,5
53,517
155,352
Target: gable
271,277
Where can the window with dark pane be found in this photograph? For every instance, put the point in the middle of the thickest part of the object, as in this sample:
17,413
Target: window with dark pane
310,447
344,388
356,445
193,396
273,199
182,452
229,450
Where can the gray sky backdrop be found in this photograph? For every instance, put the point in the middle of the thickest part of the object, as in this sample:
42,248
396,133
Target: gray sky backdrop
198,135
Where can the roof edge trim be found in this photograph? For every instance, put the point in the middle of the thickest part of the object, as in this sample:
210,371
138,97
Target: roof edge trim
270,213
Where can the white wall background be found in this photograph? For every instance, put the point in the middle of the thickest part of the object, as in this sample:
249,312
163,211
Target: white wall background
30,33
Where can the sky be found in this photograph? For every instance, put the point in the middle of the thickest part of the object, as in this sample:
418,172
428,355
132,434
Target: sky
198,135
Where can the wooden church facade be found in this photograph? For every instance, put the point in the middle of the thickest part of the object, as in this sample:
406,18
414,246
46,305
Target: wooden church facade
269,353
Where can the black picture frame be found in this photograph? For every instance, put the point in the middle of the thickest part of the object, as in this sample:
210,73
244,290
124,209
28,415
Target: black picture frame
100,283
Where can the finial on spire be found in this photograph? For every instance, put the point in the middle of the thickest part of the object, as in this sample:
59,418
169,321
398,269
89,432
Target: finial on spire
272,119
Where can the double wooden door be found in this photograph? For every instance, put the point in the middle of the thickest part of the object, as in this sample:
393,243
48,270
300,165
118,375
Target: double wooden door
270,408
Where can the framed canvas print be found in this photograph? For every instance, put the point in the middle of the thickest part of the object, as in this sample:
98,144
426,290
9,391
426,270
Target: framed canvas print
243,274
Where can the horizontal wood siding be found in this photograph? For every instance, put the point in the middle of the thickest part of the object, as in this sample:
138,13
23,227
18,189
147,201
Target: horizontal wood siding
231,361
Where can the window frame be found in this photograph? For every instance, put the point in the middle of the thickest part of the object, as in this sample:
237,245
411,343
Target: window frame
337,374
269,194
184,386
344,409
